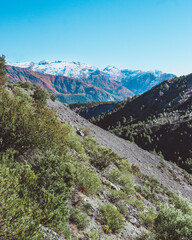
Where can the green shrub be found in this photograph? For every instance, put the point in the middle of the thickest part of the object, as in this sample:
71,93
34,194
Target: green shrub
40,96
88,178
148,217
123,178
94,234
181,203
146,192
20,216
25,126
138,203
171,224
79,218
26,85
52,97
100,157
111,217
116,195
121,205
45,180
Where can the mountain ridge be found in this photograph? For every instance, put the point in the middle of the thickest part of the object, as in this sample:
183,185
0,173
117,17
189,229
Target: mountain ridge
70,90
136,81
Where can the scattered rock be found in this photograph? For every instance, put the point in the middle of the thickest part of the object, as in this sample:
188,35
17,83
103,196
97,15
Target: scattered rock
133,220
80,133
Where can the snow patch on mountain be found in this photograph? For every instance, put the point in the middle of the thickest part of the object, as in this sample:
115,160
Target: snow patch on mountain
68,69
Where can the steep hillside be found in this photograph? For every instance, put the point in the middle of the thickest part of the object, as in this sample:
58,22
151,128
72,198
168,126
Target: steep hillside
160,120
111,77
69,90
92,109
57,182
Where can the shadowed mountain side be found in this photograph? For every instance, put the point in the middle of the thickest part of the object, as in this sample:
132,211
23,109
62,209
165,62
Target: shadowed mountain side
159,120
94,109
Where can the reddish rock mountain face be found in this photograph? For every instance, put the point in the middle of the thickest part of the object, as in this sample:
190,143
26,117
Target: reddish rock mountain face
70,90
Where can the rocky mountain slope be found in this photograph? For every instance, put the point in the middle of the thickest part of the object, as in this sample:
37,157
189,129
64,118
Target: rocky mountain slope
135,81
70,90
65,178
160,120
148,163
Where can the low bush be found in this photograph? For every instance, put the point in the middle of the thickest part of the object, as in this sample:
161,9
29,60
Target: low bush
52,97
111,217
148,217
116,195
26,85
146,192
100,157
40,96
123,178
171,223
87,178
79,218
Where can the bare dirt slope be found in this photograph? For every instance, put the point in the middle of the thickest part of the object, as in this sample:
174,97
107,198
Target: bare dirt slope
171,176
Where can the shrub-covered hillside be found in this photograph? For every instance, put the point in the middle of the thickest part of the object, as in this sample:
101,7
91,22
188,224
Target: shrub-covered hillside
56,183
160,120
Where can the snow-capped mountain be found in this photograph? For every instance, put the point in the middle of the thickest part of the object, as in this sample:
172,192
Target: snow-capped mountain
75,70
136,81
71,90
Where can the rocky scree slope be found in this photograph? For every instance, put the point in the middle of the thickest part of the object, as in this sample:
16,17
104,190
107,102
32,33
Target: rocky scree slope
171,176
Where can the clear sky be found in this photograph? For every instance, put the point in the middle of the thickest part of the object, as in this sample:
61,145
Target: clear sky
133,34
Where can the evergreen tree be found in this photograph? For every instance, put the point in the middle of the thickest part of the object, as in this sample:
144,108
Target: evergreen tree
2,70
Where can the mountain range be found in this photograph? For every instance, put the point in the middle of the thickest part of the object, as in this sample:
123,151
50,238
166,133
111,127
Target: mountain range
107,84
70,90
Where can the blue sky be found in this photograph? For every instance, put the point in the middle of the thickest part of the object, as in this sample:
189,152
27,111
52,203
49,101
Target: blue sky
133,34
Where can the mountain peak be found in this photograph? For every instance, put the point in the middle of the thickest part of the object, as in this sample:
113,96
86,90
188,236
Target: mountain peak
44,62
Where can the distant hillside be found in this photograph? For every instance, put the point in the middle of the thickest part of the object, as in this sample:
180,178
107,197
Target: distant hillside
160,120
109,79
69,90
92,109
139,82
